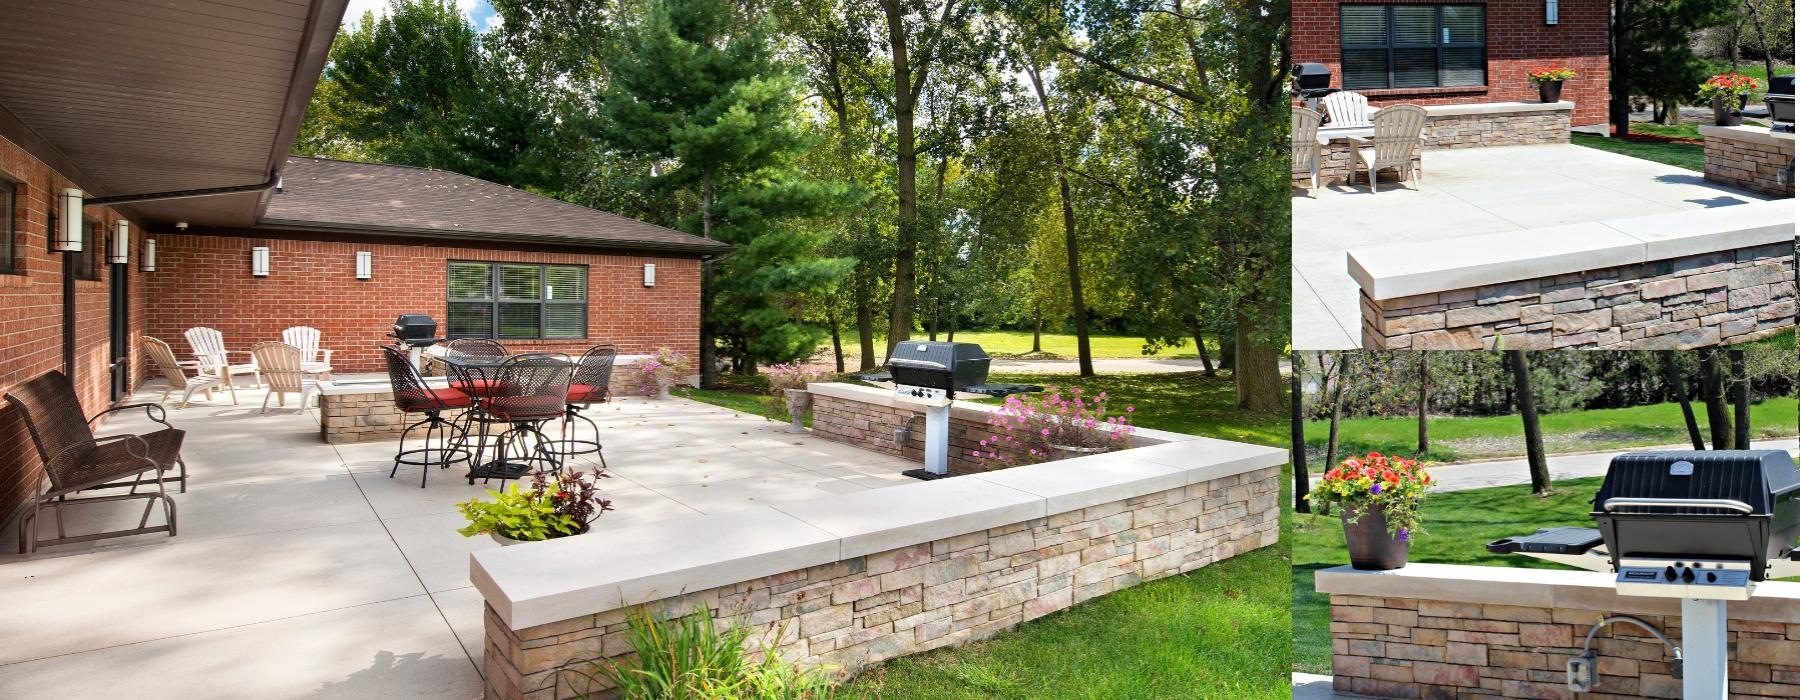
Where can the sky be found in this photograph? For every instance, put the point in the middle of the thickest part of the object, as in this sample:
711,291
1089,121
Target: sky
478,11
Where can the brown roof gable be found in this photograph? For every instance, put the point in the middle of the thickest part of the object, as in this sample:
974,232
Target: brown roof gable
318,193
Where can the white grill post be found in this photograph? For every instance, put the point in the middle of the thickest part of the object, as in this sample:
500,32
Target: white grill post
413,353
937,438
1703,649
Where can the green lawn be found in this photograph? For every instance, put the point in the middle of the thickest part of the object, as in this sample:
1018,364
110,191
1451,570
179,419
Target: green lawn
1466,438
1004,343
1688,130
1690,156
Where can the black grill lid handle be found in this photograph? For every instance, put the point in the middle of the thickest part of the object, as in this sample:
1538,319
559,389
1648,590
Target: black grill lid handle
908,362
1725,503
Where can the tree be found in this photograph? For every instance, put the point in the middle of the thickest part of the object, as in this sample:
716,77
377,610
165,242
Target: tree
720,106
1297,435
1674,384
1345,369
1424,398
1712,391
1740,398
1651,55
1066,198
1528,414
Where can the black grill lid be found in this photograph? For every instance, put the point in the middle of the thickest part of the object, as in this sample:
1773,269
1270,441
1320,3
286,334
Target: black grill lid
414,327
1311,76
1735,505
1761,479
938,365
1782,85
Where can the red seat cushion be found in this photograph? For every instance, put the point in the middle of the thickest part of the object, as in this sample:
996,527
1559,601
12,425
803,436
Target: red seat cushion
521,407
585,393
481,387
415,401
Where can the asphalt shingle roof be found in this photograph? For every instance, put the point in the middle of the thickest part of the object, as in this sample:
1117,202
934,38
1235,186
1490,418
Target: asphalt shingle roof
321,193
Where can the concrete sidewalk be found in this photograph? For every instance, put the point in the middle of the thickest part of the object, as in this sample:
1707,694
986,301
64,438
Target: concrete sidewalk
1506,472
1311,686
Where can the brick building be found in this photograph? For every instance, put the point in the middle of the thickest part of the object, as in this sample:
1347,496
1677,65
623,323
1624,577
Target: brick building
182,139
1438,53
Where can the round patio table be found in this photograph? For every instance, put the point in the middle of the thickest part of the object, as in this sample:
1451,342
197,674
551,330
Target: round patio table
486,370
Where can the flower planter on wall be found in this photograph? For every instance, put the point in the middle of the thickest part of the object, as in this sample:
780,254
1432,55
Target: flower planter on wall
1371,546
1726,114
1550,92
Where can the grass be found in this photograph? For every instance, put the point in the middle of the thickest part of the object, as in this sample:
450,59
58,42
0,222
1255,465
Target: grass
1466,438
1001,343
1688,156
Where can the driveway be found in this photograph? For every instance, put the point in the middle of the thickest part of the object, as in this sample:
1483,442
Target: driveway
1507,472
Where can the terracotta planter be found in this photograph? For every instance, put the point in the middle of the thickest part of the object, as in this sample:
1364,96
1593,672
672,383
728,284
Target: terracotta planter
1059,452
1550,92
1371,546
1724,114
797,402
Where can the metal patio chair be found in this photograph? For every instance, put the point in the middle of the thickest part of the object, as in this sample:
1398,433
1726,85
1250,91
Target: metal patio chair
476,349
589,385
413,395
1398,131
280,364
531,390
75,460
1305,144
163,357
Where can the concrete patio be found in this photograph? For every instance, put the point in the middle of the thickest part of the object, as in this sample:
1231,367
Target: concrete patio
1469,192
302,570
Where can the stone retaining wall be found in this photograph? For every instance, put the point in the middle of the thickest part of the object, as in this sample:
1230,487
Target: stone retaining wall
1751,158
1338,164
1723,297
861,611
872,427
1451,126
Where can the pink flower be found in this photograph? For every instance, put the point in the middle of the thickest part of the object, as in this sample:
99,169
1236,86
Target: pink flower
1046,432
974,453
1129,409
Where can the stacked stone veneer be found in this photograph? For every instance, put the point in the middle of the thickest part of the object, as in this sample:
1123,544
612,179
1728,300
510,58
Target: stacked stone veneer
349,415
1750,158
1420,647
858,612
1723,297
1338,162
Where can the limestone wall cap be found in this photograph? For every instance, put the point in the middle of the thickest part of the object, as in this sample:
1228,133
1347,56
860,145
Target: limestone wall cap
1773,601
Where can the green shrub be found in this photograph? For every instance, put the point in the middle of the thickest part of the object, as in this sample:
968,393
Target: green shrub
691,658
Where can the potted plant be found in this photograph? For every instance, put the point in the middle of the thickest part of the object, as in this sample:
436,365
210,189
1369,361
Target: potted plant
789,380
1549,81
1729,92
662,371
1377,497
550,506
1053,425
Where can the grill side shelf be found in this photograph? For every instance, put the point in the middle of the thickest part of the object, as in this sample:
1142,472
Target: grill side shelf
1556,540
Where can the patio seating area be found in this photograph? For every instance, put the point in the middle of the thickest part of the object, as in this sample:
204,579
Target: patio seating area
302,569
1471,192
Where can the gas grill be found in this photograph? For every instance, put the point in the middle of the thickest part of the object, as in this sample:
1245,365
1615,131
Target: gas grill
1701,526
1780,99
416,332
1311,82
932,373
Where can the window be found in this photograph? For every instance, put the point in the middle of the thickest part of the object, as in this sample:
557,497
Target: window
9,194
85,269
1413,46
516,301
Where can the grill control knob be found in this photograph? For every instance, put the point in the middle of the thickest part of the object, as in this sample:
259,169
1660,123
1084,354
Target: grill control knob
1687,575
1712,577
1669,573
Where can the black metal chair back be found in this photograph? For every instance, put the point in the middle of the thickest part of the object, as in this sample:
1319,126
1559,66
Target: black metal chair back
476,349
531,387
593,374
411,394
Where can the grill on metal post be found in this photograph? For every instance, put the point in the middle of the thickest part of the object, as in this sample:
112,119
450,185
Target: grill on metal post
417,332
931,373
1701,526
1311,82
1780,99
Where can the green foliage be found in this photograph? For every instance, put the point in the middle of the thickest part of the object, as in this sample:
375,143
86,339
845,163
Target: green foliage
691,658
521,514
1653,57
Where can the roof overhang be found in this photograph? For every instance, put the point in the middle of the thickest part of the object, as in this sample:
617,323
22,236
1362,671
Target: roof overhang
126,97
705,249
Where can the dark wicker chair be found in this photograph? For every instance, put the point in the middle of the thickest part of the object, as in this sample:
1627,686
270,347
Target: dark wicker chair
75,460
589,385
478,349
530,390
412,395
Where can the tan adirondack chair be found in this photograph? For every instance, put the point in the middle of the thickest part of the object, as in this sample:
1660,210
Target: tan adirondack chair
164,358
280,365
315,359
1305,143
208,345
1347,108
1398,130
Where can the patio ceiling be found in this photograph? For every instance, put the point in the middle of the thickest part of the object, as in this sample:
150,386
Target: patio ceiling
127,97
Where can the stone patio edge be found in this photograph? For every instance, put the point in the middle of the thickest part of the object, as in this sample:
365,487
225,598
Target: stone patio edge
1773,601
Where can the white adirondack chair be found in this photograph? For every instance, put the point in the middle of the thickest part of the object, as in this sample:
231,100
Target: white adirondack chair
280,363
1305,143
1347,108
313,358
210,355
1398,130
164,359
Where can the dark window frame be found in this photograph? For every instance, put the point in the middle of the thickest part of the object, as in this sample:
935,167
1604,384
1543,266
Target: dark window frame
9,227
495,300
1390,46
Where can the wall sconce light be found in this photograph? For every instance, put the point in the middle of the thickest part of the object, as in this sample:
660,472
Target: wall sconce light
259,261
121,245
149,258
1549,11
649,274
365,264
68,235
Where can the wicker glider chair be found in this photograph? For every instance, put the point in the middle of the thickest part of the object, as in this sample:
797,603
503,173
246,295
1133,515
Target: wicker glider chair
530,390
1347,108
1398,131
210,355
1305,144
316,360
75,460
588,386
412,395
163,357
280,364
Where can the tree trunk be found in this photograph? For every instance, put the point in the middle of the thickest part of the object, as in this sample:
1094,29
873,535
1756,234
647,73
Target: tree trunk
1037,328
1712,382
1193,324
1740,399
1257,371
837,338
1083,351
1619,106
1762,40
709,367
1424,400
1671,113
865,327
1297,436
1346,363
1228,350
1674,382
1534,434
906,166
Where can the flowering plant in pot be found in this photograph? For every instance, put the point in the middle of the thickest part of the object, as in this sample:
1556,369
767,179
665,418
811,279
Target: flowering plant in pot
550,506
662,371
1378,498
1549,81
789,380
1728,92
1055,424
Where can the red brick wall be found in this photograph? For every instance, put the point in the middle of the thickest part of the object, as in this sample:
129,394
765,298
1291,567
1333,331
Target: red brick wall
1517,40
204,280
31,329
